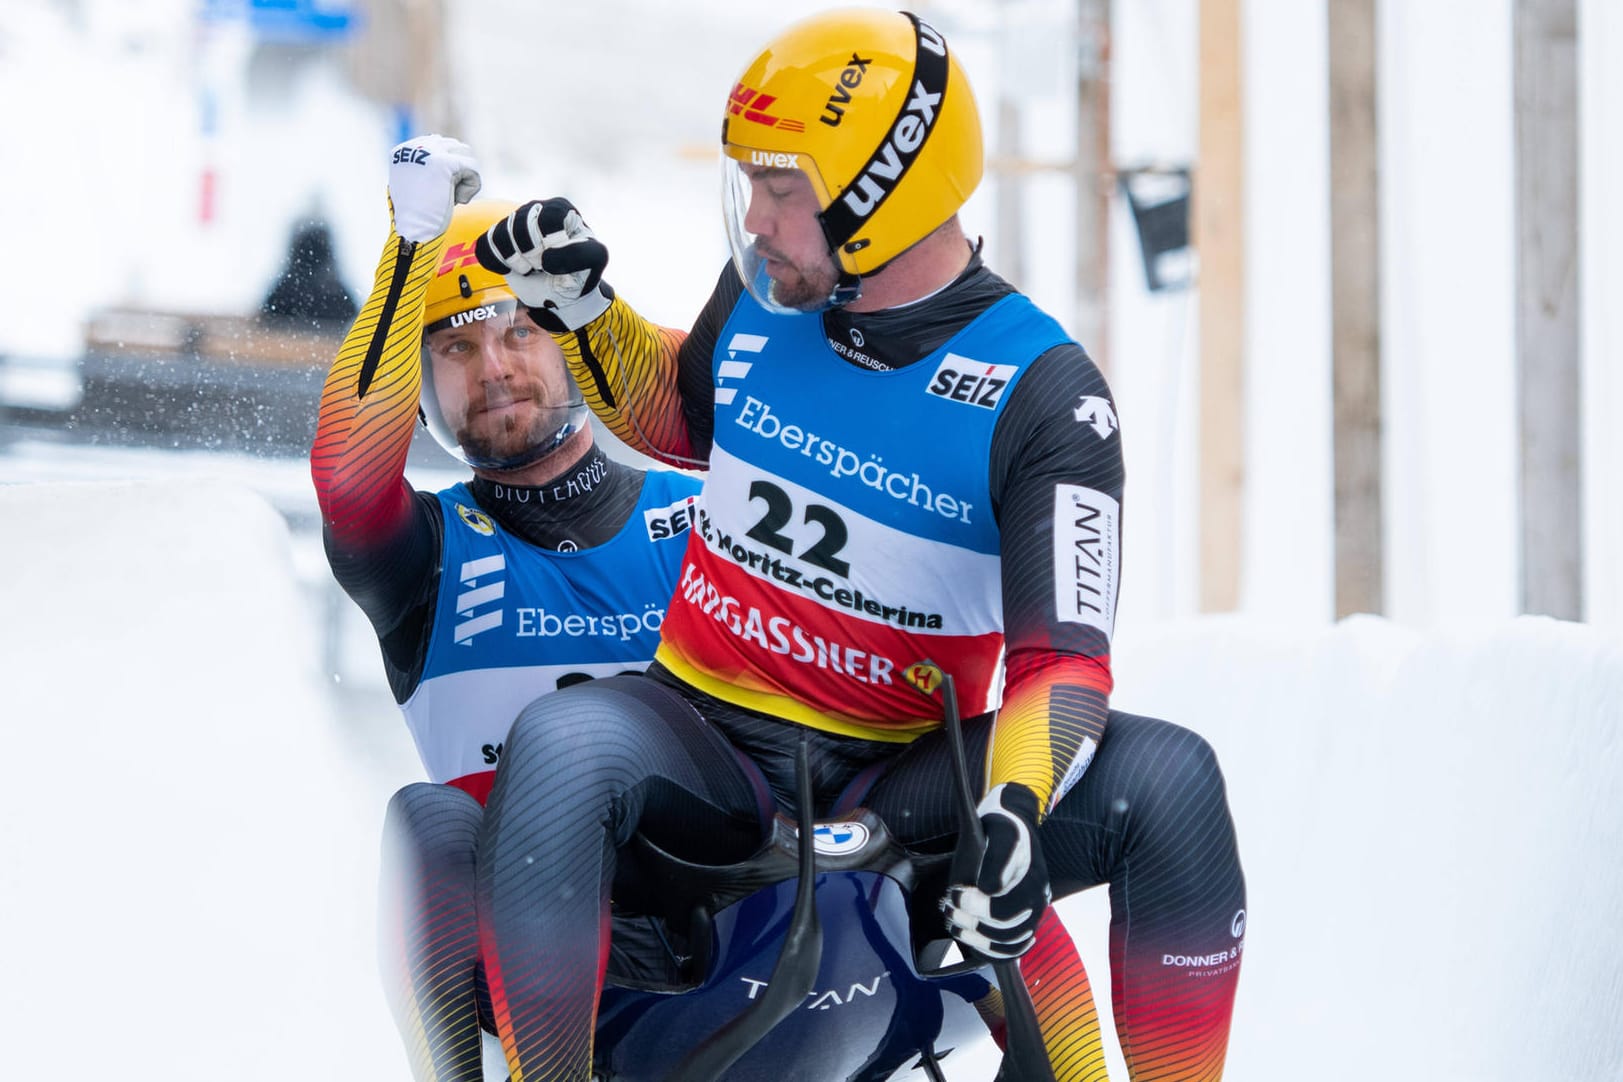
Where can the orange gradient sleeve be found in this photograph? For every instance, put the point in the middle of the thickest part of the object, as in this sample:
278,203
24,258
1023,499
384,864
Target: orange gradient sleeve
1054,710
1063,999
369,402
626,368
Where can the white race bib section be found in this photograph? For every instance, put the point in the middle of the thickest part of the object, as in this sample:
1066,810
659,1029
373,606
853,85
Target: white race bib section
1430,825
901,572
190,866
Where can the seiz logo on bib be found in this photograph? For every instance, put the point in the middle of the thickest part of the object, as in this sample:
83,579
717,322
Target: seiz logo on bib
960,379
672,521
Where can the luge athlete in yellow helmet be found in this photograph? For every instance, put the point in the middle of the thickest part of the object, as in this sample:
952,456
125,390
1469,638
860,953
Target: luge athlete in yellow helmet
551,565
910,467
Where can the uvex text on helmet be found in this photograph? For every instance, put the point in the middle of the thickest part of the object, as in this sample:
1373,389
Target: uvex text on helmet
875,109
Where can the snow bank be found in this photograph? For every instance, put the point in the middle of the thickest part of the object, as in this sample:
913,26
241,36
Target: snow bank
1432,831
186,881
188,835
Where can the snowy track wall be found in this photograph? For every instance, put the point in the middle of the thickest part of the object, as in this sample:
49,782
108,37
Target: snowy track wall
1431,825
186,875
1433,836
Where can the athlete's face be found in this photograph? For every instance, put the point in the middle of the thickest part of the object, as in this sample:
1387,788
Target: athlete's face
789,239
501,383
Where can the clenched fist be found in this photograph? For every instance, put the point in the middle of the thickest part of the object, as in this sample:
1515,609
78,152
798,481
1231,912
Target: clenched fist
996,915
552,260
428,175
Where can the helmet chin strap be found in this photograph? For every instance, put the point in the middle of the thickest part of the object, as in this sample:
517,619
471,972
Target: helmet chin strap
846,291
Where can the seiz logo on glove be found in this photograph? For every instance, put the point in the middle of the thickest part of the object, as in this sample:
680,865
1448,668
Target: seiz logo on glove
996,915
553,263
427,176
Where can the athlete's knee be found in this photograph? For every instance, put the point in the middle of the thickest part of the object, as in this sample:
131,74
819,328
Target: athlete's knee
1151,783
1163,761
587,742
1190,761
560,725
434,823
430,846
1176,810
430,801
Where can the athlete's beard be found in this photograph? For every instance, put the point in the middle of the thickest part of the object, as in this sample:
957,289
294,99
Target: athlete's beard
808,288
510,434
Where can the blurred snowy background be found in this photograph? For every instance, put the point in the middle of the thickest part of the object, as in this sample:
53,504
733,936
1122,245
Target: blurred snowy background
195,721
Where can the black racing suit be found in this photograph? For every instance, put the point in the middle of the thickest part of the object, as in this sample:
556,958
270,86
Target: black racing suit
385,543
588,767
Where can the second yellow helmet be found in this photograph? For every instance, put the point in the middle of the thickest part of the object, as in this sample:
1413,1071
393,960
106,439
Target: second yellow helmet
459,282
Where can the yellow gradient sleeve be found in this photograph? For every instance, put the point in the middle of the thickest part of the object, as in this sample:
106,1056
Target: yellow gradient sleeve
1055,707
626,368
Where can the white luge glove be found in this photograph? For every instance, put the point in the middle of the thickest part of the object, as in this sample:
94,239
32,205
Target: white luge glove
997,915
428,175
553,263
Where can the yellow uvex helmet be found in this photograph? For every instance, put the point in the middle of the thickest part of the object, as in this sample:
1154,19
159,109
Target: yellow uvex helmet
459,282
880,116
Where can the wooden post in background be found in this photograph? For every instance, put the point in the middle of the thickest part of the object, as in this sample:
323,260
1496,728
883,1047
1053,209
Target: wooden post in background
399,59
1548,354
1093,171
1355,294
1011,204
1011,180
1218,211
